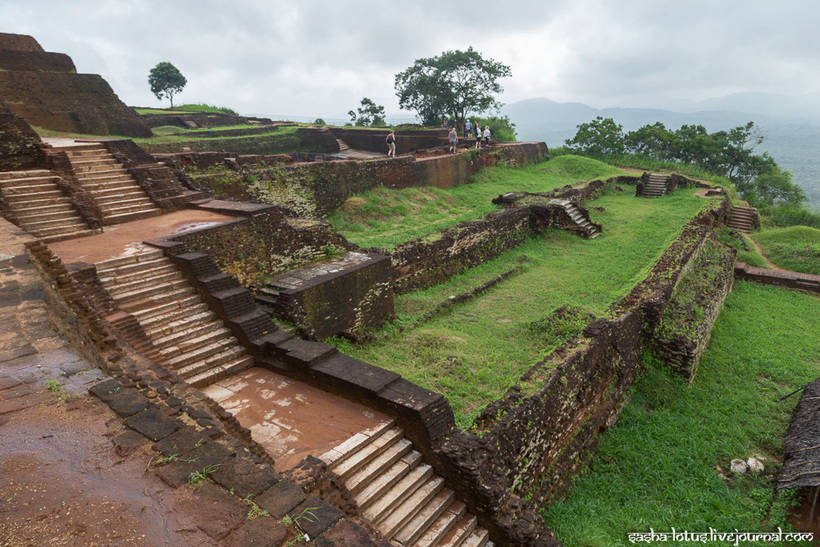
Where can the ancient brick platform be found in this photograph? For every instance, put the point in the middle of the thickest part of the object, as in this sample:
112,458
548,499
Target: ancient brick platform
346,295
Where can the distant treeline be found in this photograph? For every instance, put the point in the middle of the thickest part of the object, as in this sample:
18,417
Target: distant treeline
731,154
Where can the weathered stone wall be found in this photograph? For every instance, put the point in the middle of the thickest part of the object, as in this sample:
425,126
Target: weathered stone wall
19,42
65,101
346,302
35,60
19,144
373,140
423,263
265,244
314,189
778,278
687,322
307,139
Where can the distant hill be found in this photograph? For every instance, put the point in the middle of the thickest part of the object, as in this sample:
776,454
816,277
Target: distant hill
793,141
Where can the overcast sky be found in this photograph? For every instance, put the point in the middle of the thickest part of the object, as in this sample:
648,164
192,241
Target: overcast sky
319,58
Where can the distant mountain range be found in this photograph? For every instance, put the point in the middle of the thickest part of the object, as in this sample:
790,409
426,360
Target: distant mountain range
790,125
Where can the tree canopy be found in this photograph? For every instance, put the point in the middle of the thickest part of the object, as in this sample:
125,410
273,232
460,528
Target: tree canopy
452,85
731,153
368,114
166,81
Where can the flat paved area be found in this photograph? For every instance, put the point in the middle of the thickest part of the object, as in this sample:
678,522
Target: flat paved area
124,239
289,418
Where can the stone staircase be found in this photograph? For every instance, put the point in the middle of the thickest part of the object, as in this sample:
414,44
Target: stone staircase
589,230
114,189
399,494
743,219
40,207
189,337
342,145
655,185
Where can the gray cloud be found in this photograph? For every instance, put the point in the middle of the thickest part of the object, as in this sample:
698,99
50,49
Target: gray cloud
320,58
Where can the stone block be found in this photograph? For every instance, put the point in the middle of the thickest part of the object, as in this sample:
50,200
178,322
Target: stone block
315,516
280,498
244,476
153,423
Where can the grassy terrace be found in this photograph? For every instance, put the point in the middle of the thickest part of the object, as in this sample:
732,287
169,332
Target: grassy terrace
794,248
657,467
384,218
481,347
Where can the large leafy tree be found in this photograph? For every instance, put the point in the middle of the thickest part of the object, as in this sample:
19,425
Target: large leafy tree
452,84
600,137
166,81
368,114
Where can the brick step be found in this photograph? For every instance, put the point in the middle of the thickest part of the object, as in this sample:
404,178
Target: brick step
126,205
479,538
425,517
126,192
380,465
127,299
60,206
87,164
112,274
6,175
38,188
409,508
89,153
129,217
152,302
57,230
382,506
218,373
171,311
119,175
202,352
132,259
158,280
381,484
41,225
28,181
442,525
195,336
37,198
92,176
70,235
378,445
146,315
225,359
25,215
460,532
185,322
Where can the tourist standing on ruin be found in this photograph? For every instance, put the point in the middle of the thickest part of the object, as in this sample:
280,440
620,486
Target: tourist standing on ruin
391,144
453,139
487,134
468,129
477,136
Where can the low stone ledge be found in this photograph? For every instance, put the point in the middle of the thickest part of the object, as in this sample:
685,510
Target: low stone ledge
779,278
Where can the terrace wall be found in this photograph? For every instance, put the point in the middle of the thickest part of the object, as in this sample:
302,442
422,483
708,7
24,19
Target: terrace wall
314,189
311,139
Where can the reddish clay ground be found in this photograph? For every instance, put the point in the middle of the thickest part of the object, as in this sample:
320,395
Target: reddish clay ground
123,238
289,418
61,483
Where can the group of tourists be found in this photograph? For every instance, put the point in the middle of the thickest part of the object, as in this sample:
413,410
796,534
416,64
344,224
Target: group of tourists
482,137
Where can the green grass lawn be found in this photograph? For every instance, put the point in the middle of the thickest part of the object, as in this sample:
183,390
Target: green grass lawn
474,353
794,248
748,254
382,217
657,467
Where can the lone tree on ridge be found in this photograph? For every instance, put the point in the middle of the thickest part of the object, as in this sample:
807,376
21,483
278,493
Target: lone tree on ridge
369,114
166,81
453,84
